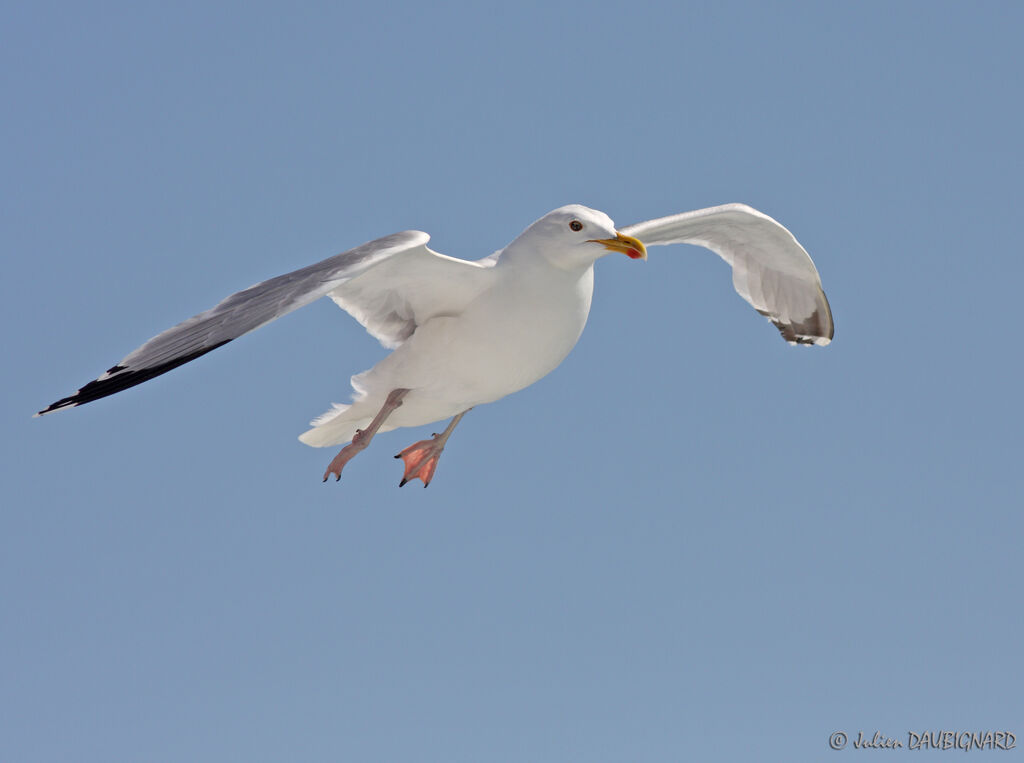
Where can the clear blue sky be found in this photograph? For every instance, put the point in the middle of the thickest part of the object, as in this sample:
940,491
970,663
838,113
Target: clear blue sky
689,541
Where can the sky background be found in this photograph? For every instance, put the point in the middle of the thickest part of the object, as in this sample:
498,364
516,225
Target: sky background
689,541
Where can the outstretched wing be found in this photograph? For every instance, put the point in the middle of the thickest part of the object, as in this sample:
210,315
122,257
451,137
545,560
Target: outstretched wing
398,295
769,267
390,306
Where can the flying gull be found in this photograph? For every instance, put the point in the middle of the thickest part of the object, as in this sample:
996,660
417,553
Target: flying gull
467,333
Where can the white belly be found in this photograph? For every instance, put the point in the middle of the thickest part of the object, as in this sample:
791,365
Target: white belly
506,340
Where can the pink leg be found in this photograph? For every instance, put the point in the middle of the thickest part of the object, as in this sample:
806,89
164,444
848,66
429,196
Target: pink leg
363,436
421,458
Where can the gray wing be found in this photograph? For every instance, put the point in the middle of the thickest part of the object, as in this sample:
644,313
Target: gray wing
247,310
770,269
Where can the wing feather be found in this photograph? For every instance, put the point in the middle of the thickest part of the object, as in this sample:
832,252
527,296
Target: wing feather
394,298
770,269
251,308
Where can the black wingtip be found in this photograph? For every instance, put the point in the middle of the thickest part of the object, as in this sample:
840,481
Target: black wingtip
60,405
811,331
118,378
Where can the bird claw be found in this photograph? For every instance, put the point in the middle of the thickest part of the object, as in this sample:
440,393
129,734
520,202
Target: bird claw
362,437
338,462
421,460
335,472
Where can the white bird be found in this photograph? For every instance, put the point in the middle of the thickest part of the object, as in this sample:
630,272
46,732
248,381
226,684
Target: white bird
468,333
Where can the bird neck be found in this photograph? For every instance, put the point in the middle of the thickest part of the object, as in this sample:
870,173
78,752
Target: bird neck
526,254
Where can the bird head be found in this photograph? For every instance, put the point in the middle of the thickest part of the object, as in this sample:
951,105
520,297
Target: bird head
575,236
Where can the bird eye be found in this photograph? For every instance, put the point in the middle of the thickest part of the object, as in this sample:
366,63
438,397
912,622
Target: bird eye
576,225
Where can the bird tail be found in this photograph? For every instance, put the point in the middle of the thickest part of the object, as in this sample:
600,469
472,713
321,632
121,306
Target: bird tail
339,424
332,427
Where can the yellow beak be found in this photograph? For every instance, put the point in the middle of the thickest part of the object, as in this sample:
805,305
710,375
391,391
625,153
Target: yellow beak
629,246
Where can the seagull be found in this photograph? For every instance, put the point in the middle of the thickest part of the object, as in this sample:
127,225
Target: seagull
465,333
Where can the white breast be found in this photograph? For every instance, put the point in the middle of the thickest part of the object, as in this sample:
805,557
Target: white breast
507,339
